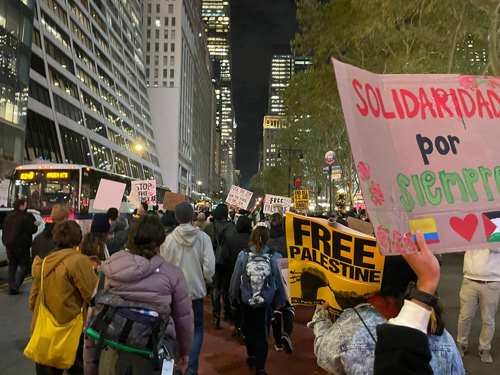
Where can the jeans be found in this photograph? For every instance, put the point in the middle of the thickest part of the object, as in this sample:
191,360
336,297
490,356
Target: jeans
220,284
194,354
255,327
472,295
18,258
287,312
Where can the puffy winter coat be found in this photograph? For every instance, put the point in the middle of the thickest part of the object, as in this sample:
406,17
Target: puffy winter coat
136,278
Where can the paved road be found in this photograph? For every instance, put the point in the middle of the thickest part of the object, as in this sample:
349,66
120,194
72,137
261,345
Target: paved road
223,355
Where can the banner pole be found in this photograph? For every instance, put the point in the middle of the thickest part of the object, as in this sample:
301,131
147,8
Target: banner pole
331,197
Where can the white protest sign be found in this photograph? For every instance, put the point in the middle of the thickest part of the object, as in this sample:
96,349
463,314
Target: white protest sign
109,194
147,191
276,203
239,197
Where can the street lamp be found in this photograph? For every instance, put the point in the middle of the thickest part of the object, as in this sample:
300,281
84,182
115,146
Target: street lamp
301,159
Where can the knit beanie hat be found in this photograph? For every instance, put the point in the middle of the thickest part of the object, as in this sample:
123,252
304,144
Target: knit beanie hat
221,212
59,213
100,224
184,212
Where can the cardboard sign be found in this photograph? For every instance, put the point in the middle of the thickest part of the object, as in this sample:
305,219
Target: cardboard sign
325,264
283,268
275,203
109,194
171,200
301,199
360,225
146,190
239,197
426,152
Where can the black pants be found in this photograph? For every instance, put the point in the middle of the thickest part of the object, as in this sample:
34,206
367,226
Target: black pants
286,313
18,258
255,327
76,369
220,285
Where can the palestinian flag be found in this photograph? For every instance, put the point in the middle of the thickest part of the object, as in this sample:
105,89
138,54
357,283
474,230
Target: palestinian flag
491,222
259,208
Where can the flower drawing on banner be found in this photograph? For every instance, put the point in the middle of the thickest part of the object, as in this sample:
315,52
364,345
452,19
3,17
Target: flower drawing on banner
376,194
397,243
409,243
364,171
383,238
468,82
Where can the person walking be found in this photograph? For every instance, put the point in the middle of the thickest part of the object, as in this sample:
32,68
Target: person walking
283,318
140,274
257,285
223,229
70,277
118,230
191,250
94,242
44,242
480,287
17,236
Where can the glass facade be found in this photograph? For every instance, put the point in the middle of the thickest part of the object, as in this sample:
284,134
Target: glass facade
16,30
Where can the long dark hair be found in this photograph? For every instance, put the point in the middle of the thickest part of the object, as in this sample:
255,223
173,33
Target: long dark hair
146,236
93,244
259,238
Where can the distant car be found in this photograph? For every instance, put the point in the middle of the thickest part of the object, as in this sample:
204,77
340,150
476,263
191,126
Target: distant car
3,213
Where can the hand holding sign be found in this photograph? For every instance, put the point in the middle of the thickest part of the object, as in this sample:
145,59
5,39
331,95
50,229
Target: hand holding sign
311,280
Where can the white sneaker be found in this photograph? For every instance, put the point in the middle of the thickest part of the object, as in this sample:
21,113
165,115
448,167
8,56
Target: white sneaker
485,356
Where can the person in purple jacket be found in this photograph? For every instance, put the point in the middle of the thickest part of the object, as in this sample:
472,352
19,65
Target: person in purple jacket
140,274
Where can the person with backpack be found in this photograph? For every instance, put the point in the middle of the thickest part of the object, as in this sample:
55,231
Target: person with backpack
223,229
281,330
151,286
256,283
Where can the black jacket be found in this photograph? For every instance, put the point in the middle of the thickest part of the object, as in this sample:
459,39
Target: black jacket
43,243
18,229
277,242
234,244
401,350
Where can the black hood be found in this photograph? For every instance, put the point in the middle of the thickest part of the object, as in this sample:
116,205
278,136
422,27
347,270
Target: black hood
277,232
49,227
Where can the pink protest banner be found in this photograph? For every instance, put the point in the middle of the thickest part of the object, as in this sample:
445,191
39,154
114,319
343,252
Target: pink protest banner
426,151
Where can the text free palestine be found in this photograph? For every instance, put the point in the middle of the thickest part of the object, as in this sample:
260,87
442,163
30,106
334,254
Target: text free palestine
465,184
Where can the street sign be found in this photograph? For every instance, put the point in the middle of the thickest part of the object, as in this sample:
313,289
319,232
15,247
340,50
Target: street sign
298,181
334,168
330,157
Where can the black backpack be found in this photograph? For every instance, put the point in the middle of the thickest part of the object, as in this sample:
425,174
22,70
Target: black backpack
129,326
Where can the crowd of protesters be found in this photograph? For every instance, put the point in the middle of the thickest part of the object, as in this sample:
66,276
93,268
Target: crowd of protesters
178,257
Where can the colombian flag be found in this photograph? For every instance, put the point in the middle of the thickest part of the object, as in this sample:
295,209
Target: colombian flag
428,227
491,221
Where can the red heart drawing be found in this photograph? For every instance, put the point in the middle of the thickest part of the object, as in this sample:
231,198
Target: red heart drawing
465,227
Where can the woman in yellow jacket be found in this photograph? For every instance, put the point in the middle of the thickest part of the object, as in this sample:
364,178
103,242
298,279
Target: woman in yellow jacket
69,281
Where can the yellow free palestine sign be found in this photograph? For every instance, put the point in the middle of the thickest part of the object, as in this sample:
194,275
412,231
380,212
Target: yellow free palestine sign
301,199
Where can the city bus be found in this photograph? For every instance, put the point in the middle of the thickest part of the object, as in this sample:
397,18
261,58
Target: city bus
71,185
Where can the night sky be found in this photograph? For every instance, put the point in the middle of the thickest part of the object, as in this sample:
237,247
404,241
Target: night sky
255,26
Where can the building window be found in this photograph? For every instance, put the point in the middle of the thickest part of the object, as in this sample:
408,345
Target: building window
171,84
156,83
164,84
156,74
172,47
157,34
147,72
157,22
171,73
166,21
149,21
147,59
165,60
165,73
173,21
170,8
165,47
165,34
148,33
157,47
172,60
41,139
157,8
149,8
157,59
148,47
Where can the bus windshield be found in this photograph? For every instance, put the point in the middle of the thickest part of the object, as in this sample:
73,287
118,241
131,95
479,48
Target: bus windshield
44,188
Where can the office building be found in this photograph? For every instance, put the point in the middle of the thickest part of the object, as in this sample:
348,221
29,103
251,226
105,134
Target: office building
284,64
88,98
182,95
217,19
16,30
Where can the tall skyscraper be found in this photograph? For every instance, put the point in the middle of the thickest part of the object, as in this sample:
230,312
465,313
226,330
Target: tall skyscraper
88,99
16,30
182,95
216,15
284,64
